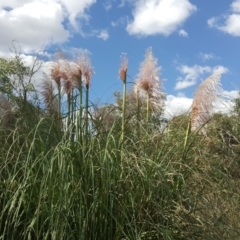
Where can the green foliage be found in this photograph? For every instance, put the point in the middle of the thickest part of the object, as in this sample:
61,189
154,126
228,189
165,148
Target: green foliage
16,79
62,191
237,105
75,179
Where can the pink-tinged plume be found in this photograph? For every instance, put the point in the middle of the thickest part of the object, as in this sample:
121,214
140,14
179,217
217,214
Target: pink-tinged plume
207,93
123,67
85,66
148,82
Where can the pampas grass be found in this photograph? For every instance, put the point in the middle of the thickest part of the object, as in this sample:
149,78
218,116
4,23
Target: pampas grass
202,107
56,187
206,94
123,76
85,66
148,84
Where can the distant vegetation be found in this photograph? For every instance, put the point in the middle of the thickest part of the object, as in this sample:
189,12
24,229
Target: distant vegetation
73,170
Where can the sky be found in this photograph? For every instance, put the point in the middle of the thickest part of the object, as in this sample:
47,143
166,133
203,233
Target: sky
192,39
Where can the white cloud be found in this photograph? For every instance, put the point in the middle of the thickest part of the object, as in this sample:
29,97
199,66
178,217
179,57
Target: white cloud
32,22
176,105
159,16
212,22
231,94
107,6
76,9
232,25
182,83
192,74
207,56
44,54
13,3
220,70
231,22
235,6
183,33
180,104
98,33
120,22
124,2
224,106
103,34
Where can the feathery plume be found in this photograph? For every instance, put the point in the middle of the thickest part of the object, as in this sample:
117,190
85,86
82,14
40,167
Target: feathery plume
56,72
47,92
75,75
58,69
67,74
123,67
85,67
148,82
202,106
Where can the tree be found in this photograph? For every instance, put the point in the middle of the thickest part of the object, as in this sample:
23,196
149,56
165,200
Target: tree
16,77
17,93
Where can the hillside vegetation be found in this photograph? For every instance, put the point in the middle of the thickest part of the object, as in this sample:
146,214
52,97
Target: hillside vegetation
70,169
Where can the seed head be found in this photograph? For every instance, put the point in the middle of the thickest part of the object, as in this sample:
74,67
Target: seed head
202,106
123,67
85,66
148,82
56,73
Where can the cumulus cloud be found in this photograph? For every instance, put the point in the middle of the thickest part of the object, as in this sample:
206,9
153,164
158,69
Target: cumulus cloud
176,105
235,6
225,104
183,33
231,94
13,3
159,16
228,23
32,22
76,9
180,104
191,74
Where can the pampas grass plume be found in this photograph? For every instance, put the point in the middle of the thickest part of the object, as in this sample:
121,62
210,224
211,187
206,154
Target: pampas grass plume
123,67
207,93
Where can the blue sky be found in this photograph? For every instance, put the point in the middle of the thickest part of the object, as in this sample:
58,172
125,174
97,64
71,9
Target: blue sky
190,38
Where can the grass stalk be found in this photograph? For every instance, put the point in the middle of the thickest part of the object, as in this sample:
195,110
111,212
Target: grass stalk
187,133
79,132
123,76
86,115
148,107
138,113
68,114
59,106
123,110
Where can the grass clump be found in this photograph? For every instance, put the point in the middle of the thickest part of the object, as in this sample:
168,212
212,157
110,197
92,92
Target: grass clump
66,174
